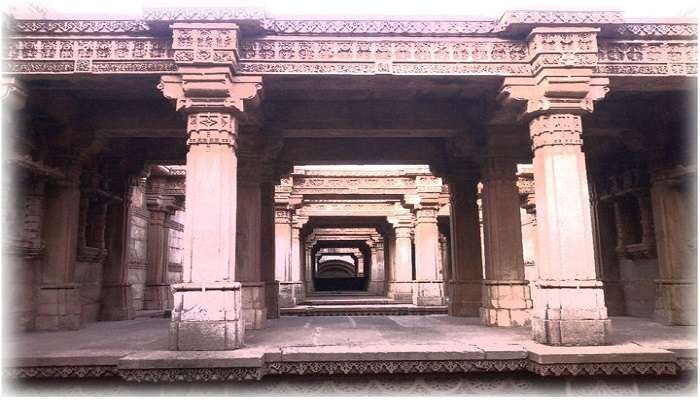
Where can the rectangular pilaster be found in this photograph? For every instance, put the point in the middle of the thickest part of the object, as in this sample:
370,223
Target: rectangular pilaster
283,256
157,293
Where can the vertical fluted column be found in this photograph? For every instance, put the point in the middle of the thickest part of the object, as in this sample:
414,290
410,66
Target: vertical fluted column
401,284
506,293
248,241
466,275
569,306
676,289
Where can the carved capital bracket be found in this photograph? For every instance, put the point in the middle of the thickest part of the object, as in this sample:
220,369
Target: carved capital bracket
212,90
13,95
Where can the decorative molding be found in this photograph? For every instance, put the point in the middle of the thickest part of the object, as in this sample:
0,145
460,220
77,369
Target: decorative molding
205,43
91,371
628,368
79,26
533,17
203,14
379,27
345,367
658,30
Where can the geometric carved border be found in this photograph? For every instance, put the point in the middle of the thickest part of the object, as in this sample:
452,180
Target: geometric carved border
352,368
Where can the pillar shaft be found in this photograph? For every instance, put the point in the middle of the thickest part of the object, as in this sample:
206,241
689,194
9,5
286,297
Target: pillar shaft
377,274
676,288
401,284
466,275
117,299
207,311
506,294
58,304
283,257
569,307
267,249
428,288
248,242
157,295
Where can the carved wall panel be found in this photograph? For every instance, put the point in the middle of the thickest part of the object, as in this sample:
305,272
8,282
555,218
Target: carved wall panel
643,57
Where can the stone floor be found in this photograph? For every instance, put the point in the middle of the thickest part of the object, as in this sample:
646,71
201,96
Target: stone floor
142,343
143,334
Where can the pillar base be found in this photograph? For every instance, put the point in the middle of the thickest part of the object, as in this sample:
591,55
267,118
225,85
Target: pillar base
157,296
290,293
58,307
676,302
506,303
376,287
428,293
464,298
401,291
570,313
207,316
117,303
272,290
254,310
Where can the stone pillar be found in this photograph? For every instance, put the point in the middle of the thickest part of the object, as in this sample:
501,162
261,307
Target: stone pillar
297,259
157,294
267,245
207,312
308,269
377,277
248,241
569,307
401,284
673,205
506,293
283,256
466,276
58,302
117,299
428,284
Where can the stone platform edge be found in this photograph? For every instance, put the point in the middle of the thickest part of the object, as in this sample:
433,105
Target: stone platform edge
254,364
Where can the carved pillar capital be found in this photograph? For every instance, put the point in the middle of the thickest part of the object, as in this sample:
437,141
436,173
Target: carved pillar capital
13,94
561,130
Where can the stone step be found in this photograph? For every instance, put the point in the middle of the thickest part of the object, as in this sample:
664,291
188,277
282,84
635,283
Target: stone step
367,300
361,309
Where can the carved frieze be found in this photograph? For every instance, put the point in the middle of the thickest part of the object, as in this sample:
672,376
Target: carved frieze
68,55
393,57
646,57
571,47
195,43
559,17
658,30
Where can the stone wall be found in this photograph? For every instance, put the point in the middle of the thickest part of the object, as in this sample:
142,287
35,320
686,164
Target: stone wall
137,237
637,278
88,274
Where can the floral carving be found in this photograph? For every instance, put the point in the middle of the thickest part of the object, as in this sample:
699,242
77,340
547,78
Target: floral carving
206,128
